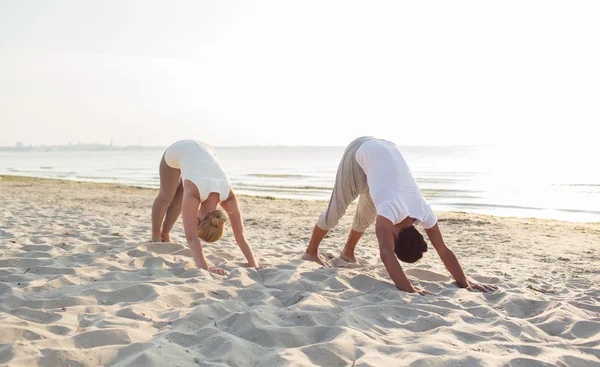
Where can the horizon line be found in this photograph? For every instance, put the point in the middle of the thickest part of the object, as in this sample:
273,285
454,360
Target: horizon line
24,147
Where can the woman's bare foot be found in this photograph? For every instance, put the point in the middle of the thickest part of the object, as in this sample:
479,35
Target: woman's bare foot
348,258
166,237
156,237
312,257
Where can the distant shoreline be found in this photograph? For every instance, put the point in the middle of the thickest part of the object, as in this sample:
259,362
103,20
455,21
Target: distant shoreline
34,179
86,147
102,185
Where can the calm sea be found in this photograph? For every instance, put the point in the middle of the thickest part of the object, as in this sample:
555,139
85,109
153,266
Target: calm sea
470,179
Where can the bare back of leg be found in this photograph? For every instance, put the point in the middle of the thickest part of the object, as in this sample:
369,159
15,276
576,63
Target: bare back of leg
169,182
173,213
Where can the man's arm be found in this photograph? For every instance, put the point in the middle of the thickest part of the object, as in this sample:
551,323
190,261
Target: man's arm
451,262
232,208
385,236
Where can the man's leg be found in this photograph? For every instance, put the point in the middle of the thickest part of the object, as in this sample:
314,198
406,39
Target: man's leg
341,198
347,253
365,216
169,181
350,180
312,251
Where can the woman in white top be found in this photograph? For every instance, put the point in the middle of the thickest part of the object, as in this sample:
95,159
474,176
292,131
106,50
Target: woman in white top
193,182
375,171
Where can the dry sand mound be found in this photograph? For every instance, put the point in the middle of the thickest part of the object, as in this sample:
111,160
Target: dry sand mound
79,286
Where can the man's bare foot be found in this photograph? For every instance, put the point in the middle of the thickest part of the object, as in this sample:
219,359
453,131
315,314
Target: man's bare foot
156,238
312,257
348,258
166,237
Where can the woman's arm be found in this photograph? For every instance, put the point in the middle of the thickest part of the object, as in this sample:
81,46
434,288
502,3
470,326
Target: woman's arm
190,206
232,209
451,262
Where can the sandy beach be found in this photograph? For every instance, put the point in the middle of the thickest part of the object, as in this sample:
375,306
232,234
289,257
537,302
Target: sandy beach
80,285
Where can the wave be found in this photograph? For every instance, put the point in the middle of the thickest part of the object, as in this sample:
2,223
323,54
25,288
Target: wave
282,187
35,173
441,180
276,175
521,207
578,185
428,193
100,178
450,174
452,191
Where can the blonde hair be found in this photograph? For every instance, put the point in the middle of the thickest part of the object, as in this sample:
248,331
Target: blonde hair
212,227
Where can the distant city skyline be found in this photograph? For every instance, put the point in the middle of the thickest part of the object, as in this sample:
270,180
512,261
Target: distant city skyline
20,144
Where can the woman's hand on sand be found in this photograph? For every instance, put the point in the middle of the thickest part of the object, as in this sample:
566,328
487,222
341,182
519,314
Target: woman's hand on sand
219,271
481,287
254,265
475,285
422,292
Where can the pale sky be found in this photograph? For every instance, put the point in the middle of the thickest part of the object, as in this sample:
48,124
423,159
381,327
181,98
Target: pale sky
300,73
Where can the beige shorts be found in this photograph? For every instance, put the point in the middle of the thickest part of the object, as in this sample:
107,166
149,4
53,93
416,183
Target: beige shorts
350,183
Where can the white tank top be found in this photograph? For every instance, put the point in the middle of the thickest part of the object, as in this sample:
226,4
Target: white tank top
198,164
391,184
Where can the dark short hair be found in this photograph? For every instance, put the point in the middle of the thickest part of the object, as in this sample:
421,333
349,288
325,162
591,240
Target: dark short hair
410,245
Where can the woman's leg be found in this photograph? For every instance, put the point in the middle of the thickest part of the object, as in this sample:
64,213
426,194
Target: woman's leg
169,181
172,214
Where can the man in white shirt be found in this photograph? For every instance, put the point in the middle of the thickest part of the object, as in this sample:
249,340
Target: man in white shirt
375,170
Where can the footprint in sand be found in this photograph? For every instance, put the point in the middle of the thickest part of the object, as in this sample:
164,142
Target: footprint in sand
427,275
161,247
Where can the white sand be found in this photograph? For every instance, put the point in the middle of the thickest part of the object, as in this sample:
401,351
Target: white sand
80,286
